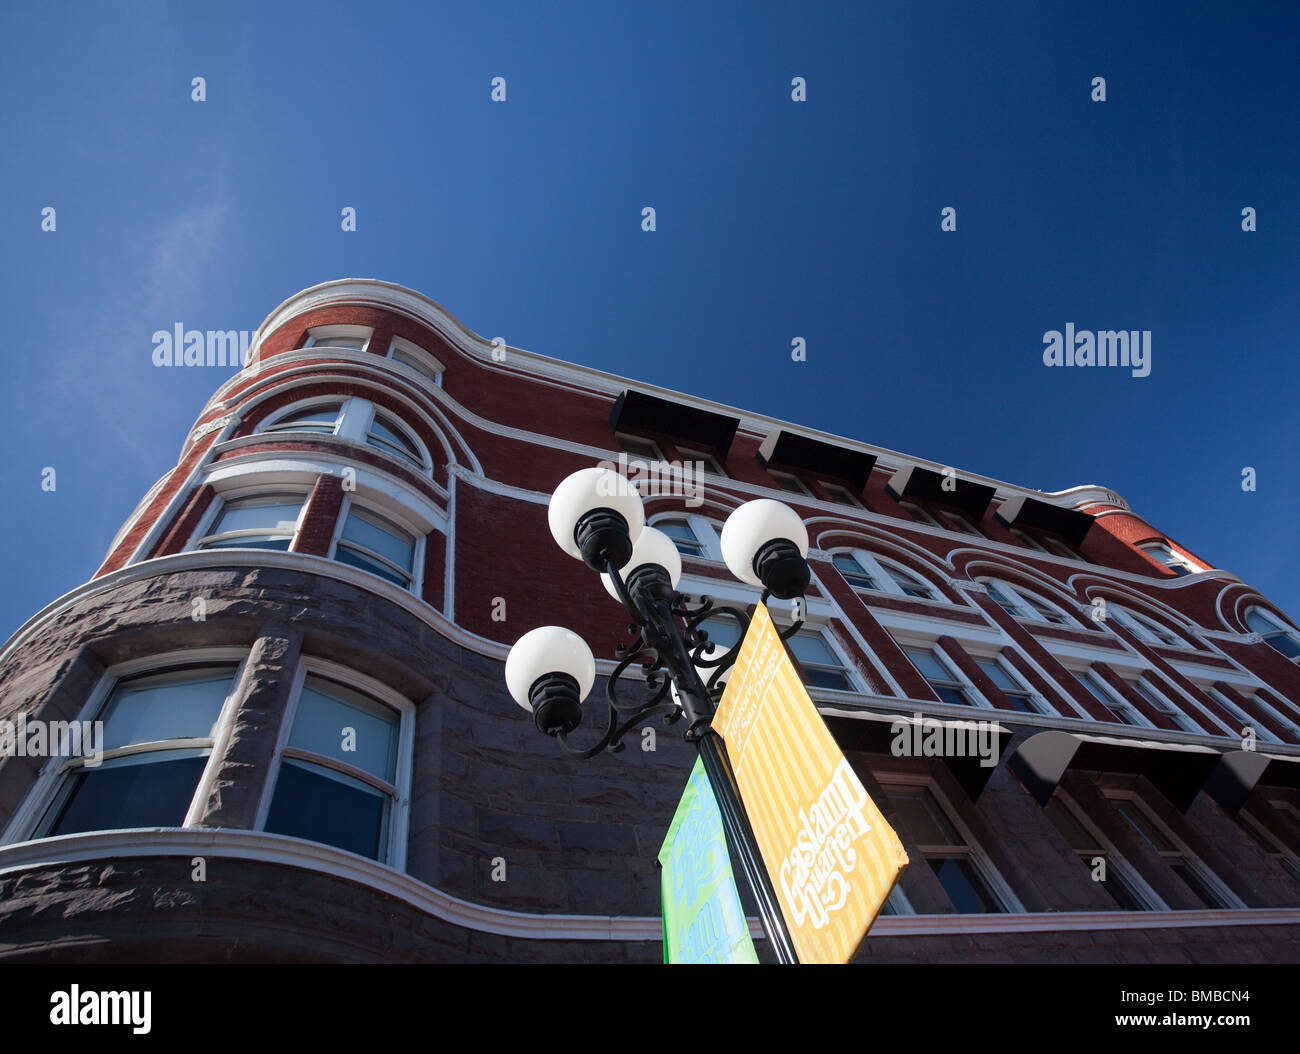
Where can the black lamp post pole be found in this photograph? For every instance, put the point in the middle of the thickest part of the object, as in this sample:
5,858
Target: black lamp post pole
649,596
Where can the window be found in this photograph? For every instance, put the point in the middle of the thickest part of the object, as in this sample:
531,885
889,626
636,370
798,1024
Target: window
387,434
841,494
1203,883
1123,884
352,338
1246,721
958,522
337,781
157,736
645,449
919,514
693,535
1163,554
377,545
265,521
683,537
1028,539
416,358
854,573
1283,855
971,882
1145,629
1148,692
1124,711
1021,696
822,666
317,417
707,461
1275,635
1061,549
787,482
1022,605
947,685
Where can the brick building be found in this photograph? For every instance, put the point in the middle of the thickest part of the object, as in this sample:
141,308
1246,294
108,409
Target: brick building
355,533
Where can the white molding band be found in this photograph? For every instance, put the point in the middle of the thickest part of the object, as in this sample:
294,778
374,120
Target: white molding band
323,859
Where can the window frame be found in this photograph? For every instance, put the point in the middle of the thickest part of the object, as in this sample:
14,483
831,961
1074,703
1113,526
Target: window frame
1145,628
707,534
1037,704
52,780
712,463
960,682
421,462
885,571
399,809
841,494
997,886
412,351
1180,851
1279,630
1024,605
339,332
264,492
416,584
1164,554
1115,860
781,478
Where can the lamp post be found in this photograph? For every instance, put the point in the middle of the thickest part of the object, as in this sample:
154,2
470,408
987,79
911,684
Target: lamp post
597,516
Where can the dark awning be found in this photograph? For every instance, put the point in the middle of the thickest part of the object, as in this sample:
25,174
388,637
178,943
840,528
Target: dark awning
913,481
1238,772
1178,770
640,411
877,733
1024,511
790,450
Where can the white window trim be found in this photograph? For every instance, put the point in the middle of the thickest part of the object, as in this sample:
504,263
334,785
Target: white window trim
962,524
409,347
1143,626
1130,874
267,425
879,568
932,646
1278,627
1036,700
822,627
47,784
1143,685
621,438
705,533
416,584
203,530
983,863
1166,555
399,819
370,412
920,515
799,486
1193,861
329,332
1262,733
1029,540
841,495
1141,719
690,453
1025,611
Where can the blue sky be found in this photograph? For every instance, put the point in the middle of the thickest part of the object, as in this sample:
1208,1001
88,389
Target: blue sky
775,219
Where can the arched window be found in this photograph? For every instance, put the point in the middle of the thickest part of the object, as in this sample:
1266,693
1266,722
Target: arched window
376,544
1021,604
1275,634
320,417
1147,630
693,535
262,521
386,433
868,573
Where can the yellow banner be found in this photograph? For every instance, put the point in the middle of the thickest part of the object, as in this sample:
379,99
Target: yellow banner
828,849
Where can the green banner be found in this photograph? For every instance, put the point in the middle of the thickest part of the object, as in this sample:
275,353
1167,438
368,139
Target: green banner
703,919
